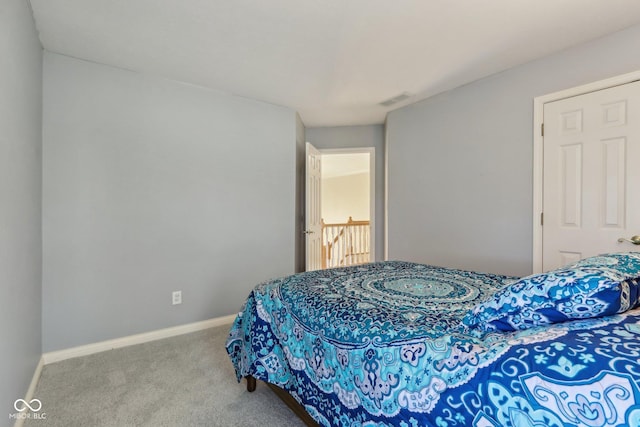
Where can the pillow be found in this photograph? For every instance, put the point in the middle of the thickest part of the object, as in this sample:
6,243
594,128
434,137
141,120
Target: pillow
592,287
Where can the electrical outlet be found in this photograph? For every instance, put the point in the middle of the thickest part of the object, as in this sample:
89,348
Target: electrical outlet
176,297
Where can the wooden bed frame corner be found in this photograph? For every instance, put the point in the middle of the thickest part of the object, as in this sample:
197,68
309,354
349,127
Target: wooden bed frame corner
292,403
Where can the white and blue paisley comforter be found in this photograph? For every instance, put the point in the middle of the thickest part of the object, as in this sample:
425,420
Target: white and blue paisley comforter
385,344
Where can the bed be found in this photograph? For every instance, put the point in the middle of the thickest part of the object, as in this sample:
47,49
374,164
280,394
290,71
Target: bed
404,344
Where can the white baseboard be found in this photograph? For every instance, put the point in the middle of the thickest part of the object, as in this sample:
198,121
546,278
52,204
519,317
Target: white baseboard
85,350
32,388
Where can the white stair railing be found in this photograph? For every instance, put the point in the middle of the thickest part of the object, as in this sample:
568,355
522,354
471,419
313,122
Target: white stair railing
345,243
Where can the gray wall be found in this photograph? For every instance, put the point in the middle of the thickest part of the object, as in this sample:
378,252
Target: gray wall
460,163
300,194
20,198
152,186
358,137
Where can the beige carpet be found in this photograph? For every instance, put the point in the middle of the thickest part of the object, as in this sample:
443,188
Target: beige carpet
182,381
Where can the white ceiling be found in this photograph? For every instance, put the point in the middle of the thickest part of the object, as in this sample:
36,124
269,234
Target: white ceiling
333,61
336,165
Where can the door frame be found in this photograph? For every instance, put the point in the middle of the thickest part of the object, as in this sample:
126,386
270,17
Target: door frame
372,188
538,148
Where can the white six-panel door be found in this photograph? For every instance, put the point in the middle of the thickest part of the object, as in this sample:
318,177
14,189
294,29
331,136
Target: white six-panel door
591,178
313,214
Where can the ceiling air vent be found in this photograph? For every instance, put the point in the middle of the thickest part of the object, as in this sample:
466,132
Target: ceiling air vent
395,99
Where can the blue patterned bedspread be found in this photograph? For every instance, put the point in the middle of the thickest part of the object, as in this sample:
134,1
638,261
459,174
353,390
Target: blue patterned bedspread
384,344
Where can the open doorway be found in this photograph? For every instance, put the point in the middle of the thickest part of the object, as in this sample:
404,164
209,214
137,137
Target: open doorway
346,208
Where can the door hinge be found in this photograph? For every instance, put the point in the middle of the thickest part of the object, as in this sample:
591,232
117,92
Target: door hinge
542,129
541,218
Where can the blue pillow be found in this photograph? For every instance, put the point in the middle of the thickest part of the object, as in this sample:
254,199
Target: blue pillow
592,287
